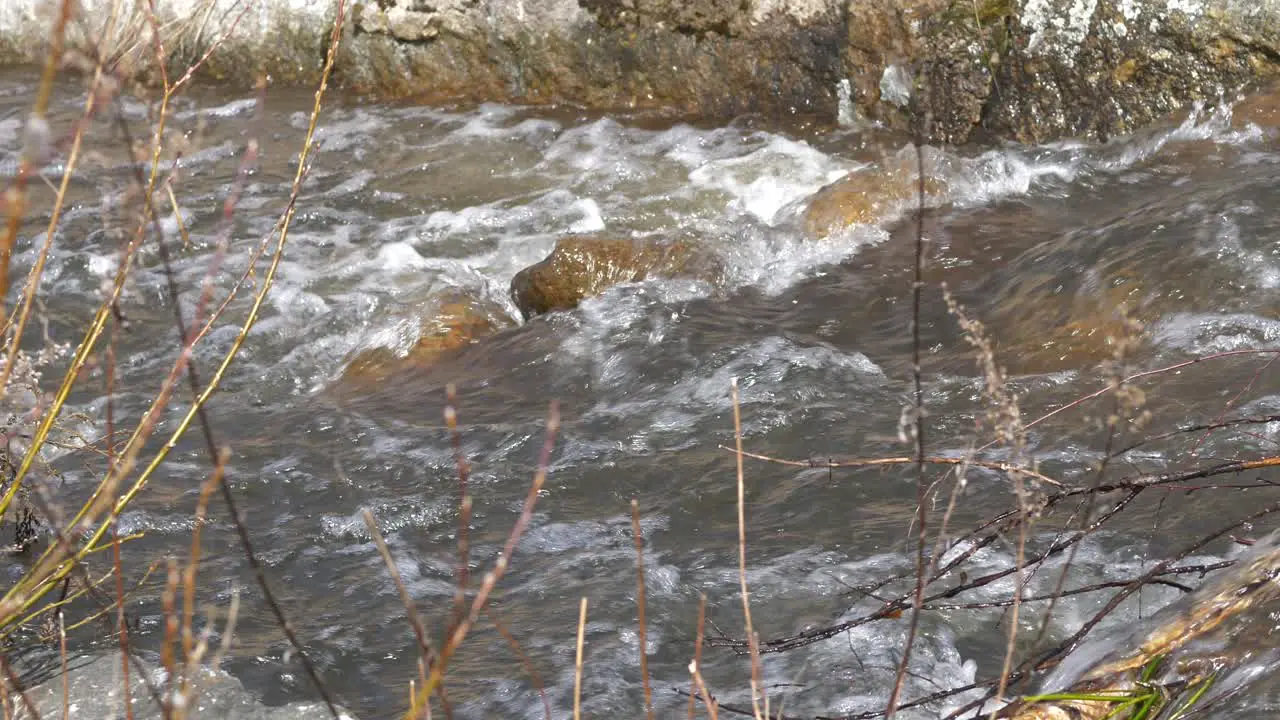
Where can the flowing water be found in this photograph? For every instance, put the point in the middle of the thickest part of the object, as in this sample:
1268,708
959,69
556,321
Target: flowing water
1177,223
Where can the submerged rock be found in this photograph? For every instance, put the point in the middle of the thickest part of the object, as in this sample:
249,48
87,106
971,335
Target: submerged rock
869,196
453,320
582,266
1039,328
1261,109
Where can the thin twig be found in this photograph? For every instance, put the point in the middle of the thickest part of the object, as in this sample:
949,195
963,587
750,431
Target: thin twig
1010,468
1143,375
411,610
36,123
917,412
695,667
524,661
500,566
577,662
15,686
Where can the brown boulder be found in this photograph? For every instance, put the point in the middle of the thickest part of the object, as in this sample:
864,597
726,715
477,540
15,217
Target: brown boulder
869,196
453,321
582,266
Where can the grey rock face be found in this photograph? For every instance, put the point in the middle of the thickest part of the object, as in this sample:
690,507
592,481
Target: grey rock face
1029,70
1022,69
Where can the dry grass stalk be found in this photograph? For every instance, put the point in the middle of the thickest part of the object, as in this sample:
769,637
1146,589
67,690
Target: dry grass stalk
577,662
695,667
1004,418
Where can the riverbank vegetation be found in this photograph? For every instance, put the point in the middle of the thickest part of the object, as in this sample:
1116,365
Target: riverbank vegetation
63,569
70,553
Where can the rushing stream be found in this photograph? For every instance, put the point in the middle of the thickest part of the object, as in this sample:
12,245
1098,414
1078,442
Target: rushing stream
1179,223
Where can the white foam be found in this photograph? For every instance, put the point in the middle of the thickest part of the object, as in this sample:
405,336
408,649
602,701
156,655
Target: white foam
998,174
767,179
1198,125
355,182
350,270
597,147
298,303
243,106
345,130
774,261
732,188
591,220
10,130
103,266
1203,334
397,257
210,155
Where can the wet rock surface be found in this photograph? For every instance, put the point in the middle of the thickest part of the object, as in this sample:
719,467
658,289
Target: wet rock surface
1030,70
870,196
452,320
707,58
582,266
1125,64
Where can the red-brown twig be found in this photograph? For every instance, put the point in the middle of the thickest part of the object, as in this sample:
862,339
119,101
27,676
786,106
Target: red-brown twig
1231,402
524,661
425,650
699,687
500,566
16,195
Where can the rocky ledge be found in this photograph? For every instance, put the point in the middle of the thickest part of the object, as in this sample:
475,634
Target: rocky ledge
1029,70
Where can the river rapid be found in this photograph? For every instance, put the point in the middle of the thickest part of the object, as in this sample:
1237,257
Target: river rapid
1177,223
